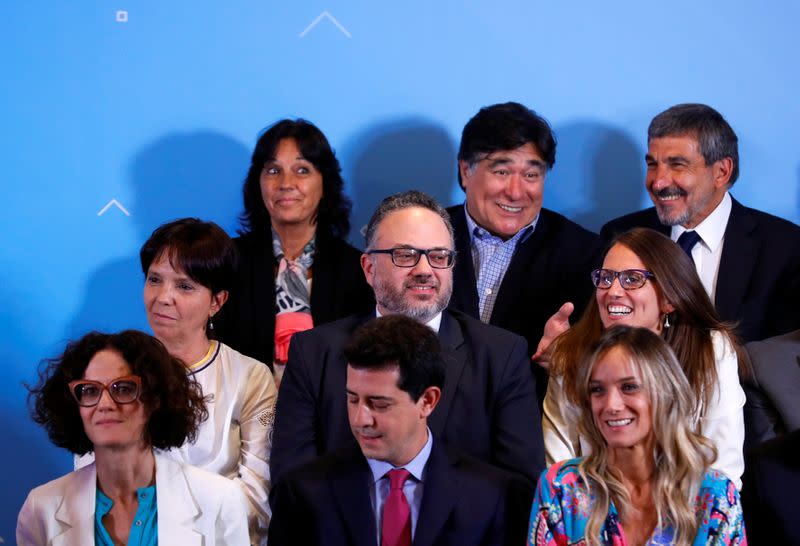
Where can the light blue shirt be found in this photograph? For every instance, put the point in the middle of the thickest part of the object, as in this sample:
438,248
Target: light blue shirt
144,527
491,257
412,488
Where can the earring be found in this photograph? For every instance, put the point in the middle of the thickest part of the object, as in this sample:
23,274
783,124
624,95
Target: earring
211,323
666,320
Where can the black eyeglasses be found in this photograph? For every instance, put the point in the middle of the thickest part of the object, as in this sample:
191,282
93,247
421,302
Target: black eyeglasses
629,279
439,258
123,390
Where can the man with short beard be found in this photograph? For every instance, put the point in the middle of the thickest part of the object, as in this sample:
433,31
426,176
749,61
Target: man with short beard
748,261
489,409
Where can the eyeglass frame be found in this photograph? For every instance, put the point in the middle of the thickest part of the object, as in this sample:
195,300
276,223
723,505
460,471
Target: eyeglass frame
105,387
420,252
617,276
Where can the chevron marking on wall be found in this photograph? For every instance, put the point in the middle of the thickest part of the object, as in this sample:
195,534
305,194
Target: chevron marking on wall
116,204
319,18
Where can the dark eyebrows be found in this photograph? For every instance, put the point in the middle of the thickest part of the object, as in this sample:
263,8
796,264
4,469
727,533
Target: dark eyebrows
371,398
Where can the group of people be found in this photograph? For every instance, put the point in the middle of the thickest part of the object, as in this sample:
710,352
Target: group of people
432,387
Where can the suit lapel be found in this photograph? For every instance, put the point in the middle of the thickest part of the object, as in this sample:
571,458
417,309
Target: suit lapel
177,508
350,487
465,295
455,354
439,495
77,509
739,256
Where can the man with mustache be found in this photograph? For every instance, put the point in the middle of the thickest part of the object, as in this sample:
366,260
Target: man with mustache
748,261
489,406
399,484
518,262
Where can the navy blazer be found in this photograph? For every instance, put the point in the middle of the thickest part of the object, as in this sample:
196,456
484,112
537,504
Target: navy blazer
549,268
759,272
488,407
770,484
247,321
464,502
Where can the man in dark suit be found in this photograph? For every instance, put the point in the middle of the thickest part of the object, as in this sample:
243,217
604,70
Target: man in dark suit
489,405
773,391
400,485
518,262
748,261
769,491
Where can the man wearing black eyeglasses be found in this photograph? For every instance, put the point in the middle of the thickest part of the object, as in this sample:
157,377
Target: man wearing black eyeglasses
489,408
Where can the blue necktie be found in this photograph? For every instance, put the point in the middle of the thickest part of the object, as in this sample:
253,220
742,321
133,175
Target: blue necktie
687,240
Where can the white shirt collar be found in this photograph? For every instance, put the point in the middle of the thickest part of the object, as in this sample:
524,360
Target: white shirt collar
433,324
712,229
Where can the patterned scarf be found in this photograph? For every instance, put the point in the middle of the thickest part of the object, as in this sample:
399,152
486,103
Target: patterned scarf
292,297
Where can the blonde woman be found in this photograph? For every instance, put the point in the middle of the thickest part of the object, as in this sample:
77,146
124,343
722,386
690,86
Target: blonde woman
647,478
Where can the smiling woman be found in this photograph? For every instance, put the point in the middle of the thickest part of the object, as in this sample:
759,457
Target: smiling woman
647,477
647,281
120,396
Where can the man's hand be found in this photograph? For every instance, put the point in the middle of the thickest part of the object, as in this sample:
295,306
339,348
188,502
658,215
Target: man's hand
556,325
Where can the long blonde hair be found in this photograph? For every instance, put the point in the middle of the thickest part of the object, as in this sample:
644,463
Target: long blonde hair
680,455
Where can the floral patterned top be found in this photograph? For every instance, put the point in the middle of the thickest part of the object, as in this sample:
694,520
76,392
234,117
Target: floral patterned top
560,512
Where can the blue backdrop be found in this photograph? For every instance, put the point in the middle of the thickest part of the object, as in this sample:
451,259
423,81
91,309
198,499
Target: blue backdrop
158,104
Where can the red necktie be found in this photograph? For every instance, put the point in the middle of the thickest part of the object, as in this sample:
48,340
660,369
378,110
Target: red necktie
396,528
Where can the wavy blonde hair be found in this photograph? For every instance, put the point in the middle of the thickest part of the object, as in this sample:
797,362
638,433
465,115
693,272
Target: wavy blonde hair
681,456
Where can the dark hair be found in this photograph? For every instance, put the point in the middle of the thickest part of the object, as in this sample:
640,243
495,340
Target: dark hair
200,249
715,137
173,399
333,214
692,321
405,200
501,127
396,340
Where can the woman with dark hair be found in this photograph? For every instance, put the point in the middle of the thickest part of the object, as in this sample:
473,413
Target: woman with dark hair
646,477
295,268
122,396
649,282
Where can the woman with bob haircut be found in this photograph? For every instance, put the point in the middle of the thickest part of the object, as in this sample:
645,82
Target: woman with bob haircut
647,281
296,269
646,479
124,398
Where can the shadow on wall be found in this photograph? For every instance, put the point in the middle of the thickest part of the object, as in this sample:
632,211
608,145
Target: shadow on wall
183,174
392,157
602,164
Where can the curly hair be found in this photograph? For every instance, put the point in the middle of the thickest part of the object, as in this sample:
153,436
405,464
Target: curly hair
681,456
173,400
333,213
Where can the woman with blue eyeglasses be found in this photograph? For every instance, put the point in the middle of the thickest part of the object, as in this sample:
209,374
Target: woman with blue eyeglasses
647,281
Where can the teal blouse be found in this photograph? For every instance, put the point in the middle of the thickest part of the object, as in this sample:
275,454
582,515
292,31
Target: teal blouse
144,528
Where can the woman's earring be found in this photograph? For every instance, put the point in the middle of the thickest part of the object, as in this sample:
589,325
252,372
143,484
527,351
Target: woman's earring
666,320
211,323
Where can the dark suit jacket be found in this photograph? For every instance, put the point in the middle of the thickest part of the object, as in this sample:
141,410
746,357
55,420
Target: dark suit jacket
769,492
464,502
551,267
759,272
247,321
773,391
488,407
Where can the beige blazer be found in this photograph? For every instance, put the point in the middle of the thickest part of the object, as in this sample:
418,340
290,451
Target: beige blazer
195,508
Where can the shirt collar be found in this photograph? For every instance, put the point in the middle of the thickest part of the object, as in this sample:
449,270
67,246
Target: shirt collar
476,230
433,324
415,467
712,229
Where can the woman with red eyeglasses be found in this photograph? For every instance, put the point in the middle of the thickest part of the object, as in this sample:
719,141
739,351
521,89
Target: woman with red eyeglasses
124,398
647,281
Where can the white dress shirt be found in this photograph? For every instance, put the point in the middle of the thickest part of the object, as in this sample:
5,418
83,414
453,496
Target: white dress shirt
433,324
707,252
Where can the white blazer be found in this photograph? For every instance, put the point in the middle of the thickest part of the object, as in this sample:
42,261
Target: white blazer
195,508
